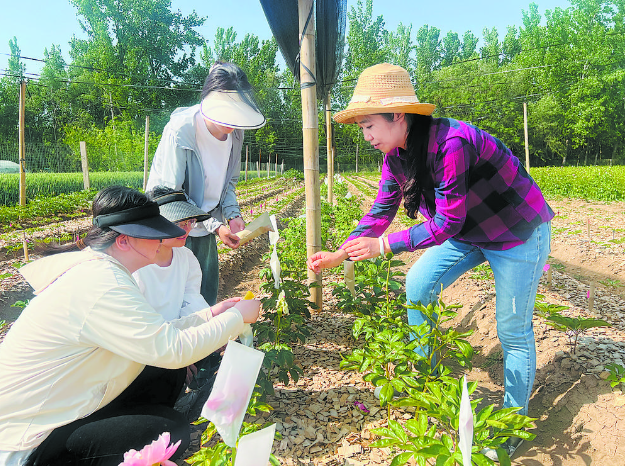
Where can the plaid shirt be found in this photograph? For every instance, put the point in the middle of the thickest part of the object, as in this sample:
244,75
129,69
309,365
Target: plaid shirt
476,191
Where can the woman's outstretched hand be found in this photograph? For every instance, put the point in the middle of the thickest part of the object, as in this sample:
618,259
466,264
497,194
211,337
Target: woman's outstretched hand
364,248
325,260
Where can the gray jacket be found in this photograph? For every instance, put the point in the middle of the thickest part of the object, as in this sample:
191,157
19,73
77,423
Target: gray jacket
177,164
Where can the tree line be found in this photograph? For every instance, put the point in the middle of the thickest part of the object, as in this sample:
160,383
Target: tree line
142,58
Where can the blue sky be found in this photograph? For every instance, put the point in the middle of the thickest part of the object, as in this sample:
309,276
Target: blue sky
38,24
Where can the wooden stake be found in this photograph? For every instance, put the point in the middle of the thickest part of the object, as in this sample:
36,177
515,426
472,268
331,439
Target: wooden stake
527,147
22,146
310,129
258,168
549,278
591,297
268,164
25,245
85,164
356,158
146,146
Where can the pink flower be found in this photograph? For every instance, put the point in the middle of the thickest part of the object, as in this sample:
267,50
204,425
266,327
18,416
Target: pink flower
158,452
588,294
361,407
546,267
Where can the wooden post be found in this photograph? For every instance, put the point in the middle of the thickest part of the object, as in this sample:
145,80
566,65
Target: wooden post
310,129
247,150
356,158
25,246
268,164
329,150
22,146
258,168
276,164
527,146
591,298
146,146
85,164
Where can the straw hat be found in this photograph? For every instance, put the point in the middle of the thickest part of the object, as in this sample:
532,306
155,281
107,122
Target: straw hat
383,88
234,109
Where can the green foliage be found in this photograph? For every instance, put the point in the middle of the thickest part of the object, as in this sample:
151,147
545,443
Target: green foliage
20,304
283,324
482,272
292,173
389,359
220,454
573,326
591,183
617,374
40,185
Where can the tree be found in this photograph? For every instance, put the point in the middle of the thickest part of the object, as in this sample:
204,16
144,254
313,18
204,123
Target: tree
451,48
469,45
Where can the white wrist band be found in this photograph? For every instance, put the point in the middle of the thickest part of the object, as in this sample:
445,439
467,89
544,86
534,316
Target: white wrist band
381,240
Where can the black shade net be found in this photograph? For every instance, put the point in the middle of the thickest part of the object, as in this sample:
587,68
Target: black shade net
282,16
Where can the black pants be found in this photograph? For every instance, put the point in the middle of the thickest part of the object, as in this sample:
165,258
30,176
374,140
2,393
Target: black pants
134,419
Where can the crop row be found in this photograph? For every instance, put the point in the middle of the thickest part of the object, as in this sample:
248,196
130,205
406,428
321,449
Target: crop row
591,183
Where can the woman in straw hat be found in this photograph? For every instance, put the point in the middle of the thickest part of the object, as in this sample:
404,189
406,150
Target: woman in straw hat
479,205
90,370
200,152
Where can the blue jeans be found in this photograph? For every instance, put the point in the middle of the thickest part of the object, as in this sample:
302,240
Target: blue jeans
517,272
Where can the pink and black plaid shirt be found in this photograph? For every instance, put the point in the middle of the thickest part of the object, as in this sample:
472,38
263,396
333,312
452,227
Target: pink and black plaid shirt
476,191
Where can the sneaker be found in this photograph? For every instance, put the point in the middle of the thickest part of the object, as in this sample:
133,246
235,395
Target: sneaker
510,446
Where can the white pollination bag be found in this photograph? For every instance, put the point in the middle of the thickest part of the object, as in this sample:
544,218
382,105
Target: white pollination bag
231,393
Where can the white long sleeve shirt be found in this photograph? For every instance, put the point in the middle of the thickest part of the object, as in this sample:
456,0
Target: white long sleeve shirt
83,339
173,291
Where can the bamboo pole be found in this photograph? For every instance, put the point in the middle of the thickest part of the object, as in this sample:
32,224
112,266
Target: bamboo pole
146,146
310,129
527,146
22,146
329,150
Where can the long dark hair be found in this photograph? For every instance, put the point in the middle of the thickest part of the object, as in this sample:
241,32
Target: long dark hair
226,76
108,200
416,149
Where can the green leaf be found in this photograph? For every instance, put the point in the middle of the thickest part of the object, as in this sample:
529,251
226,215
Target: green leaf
401,459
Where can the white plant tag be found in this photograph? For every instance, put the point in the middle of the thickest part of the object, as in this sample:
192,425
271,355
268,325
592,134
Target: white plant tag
231,393
465,424
274,262
254,449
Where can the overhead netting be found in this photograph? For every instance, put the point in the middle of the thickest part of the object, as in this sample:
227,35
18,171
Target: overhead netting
282,16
